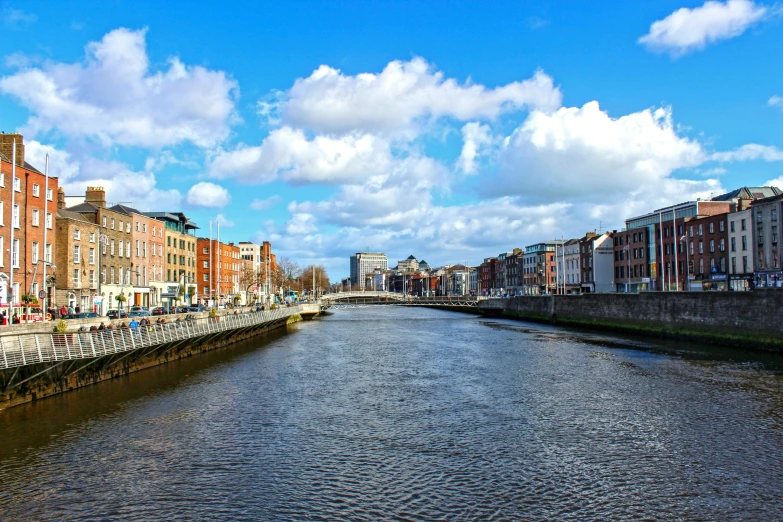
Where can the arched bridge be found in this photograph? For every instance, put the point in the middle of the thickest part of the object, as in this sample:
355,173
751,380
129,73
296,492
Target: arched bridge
352,299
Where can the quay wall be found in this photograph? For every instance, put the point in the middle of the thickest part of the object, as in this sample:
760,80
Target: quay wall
741,319
50,380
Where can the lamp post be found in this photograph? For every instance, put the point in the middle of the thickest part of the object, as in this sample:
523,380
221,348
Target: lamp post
687,262
35,271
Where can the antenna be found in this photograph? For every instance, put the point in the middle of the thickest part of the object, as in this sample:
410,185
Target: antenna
600,227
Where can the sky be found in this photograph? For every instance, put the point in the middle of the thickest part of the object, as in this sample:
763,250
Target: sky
452,131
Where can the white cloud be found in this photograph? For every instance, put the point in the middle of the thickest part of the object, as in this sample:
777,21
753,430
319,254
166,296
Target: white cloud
776,101
686,30
476,139
583,153
301,224
122,184
114,97
223,221
394,99
206,194
750,152
263,204
16,18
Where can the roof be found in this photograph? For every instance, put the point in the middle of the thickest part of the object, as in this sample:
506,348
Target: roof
177,217
409,258
23,165
84,208
124,209
749,193
68,214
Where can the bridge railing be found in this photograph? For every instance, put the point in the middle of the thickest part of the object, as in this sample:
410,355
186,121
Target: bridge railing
35,348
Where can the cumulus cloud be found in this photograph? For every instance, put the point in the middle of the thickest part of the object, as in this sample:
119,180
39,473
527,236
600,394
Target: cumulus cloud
687,30
301,224
750,152
122,183
206,194
776,101
114,97
476,138
223,221
263,204
394,99
579,153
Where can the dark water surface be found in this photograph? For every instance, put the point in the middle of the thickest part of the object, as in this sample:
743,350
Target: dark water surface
393,413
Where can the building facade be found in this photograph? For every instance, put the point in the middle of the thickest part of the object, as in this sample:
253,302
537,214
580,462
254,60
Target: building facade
767,240
363,263
179,277
77,261
631,260
741,246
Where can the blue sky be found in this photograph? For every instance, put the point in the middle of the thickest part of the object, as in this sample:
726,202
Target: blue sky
452,131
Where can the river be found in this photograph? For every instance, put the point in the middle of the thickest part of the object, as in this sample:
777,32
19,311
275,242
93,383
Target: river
410,413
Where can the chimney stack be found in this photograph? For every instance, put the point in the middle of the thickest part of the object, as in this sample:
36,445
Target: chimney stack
60,198
96,196
7,147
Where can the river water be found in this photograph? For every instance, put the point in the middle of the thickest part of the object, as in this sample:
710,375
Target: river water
416,414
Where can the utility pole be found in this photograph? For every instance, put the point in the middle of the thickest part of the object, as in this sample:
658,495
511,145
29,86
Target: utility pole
11,268
46,208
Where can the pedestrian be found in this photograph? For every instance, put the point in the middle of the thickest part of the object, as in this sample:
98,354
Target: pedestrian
78,309
3,319
133,324
101,327
15,319
63,311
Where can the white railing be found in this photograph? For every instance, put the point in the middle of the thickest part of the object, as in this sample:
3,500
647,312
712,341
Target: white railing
26,349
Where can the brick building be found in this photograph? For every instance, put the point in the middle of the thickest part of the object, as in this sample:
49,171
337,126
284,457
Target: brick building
707,254
77,261
631,260
767,230
539,270
114,240
32,216
180,245
218,266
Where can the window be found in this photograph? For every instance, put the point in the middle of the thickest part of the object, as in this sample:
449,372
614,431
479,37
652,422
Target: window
712,245
721,226
122,248
701,247
103,246
143,249
144,228
77,258
733,244
733,265
759,217
773,214
104,221
712,228
137,226
2,179
48,253
92,256
138,246
722,244
701,265
36,217
760,236
127,248
206,278
2,251
127,227
700,231
723,264
206,250
15,217
731,227
2,213
15,254
49,195
775,235
92,278
169,240
35,252
206,264
77,234
112,223
17,185
49,220
690,231
113,274
641,252
36,190
112,253
744,264
76,278
744,242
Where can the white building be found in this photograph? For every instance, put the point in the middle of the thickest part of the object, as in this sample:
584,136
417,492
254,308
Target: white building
473,281
740,249
363,263
600,264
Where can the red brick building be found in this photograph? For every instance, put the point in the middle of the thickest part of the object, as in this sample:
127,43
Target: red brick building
631,260
31,215
218,275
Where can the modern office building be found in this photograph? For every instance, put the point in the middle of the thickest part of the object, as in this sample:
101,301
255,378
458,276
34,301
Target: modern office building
363,263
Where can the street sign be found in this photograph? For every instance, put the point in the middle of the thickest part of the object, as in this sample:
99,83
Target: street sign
168,295
42,294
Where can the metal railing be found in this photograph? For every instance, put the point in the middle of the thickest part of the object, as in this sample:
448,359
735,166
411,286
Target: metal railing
36,348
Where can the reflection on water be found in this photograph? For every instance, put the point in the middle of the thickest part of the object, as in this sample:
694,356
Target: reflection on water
386,412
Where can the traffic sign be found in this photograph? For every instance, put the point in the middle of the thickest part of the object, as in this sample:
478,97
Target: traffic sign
42,294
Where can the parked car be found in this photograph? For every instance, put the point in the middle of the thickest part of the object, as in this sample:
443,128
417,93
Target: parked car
139,313
160,310
139,309
197,308
180,310
82,315
117,314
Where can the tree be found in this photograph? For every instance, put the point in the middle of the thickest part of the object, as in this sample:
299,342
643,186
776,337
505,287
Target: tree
321,279
288,272
120,299
248,277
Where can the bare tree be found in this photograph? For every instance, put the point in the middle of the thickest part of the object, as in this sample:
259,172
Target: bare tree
321,279
249,277
288,271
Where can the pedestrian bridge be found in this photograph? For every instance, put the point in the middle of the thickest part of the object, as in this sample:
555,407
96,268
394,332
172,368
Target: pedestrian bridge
353,299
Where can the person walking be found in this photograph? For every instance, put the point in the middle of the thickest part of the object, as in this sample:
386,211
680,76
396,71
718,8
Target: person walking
63,311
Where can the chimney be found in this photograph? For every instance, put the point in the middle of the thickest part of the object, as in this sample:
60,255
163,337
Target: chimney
7,147
60,198
96,196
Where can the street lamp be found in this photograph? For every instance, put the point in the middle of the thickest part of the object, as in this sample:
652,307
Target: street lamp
687,262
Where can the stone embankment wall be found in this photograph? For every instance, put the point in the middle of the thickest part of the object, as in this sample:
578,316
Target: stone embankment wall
51,380
743,319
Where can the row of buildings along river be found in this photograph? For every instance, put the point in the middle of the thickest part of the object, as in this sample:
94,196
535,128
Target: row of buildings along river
80,251
727,243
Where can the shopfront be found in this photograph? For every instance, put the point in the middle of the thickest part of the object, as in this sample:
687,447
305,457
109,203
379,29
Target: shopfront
769,280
